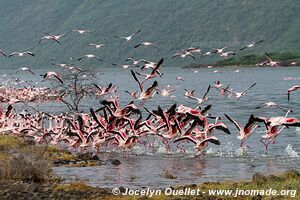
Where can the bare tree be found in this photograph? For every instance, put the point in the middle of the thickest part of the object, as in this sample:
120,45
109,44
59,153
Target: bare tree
77,86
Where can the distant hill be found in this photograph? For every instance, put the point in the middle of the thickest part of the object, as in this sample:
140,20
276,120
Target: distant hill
171,25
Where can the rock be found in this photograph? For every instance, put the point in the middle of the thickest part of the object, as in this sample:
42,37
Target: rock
85,156
81,162
258,197
122,189
72,162
65,162
116,162
35,189
95,157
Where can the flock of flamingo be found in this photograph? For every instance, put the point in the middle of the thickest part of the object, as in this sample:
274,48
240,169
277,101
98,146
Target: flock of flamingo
114,126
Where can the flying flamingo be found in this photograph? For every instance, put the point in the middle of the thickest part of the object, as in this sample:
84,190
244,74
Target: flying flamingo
145,94
240,94
89,56
3,53
128,38
292,89
81,31
199,144
21,53
153,73
200,100
97,46
50,74
245,131
219,51
251,45
49,37
146,44
183,54
25,69
270,62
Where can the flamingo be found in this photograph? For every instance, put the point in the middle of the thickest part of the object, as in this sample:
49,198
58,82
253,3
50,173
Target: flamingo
251,45
245,131
189,92
184,54
81,31
104,90
128,38
89,56
25,69
199,145
200,100
166,93
133,94
227,54
49,37
240,94
270,62
273,104
50,74
145,94
219,51
217,84
180,78
21,53
153,73
273,125
146,44
97,46
124,66
134,62
292,89
3,53
194,50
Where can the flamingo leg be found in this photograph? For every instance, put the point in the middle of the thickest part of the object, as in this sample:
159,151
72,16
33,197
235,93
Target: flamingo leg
166,143
142,104
266,146
181,149
242,143
147,138
153,142
123,153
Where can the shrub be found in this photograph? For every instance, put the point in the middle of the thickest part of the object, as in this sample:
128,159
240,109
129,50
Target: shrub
28,164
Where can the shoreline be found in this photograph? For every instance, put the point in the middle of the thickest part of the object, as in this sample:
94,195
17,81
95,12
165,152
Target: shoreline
228,66
52,187
10,189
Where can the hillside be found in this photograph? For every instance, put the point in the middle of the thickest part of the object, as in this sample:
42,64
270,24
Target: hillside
171,25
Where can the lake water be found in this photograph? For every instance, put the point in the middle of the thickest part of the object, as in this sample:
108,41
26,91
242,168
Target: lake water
223,162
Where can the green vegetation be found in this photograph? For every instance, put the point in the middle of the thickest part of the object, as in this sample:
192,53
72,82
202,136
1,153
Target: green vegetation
22,162
75,186
288,181
172,25
60,154
253,59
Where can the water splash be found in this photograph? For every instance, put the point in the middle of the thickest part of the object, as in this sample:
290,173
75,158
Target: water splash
241,152
290,152
228,150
